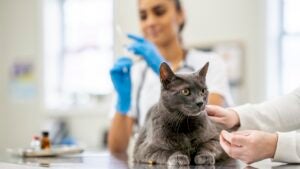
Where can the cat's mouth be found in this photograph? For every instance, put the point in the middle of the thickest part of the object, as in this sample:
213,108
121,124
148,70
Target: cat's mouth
194,113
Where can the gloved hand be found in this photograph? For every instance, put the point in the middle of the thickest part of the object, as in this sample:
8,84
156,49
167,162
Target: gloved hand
120,76
146,50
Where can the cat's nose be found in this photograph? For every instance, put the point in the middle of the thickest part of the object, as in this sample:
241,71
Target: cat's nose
199,104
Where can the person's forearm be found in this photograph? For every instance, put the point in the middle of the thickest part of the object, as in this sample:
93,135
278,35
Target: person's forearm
280,114
119,133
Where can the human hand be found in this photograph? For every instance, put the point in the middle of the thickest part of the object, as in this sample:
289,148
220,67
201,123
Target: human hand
120,76
226,117
249,146
146,50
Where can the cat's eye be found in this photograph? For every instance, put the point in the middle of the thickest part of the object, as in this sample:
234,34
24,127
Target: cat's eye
185,92
203,90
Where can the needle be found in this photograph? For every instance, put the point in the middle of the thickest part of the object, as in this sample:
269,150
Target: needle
122,37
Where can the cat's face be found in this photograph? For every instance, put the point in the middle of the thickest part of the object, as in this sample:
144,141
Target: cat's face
184,93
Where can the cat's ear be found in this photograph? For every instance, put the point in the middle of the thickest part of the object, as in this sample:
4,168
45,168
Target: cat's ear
202,73
166,75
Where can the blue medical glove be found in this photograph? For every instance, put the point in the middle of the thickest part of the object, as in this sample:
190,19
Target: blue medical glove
147,50
120,76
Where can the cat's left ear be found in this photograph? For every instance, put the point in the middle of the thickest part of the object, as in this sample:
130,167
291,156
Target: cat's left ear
166,75
202,73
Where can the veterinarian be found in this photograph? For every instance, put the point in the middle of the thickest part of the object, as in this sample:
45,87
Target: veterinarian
138,86
265,130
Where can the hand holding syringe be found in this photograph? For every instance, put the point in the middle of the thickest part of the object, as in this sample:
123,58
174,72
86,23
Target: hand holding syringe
143,48
120,72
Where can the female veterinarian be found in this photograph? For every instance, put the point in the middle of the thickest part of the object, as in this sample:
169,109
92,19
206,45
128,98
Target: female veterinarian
138,87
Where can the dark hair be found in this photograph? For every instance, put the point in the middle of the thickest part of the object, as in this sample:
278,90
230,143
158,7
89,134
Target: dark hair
179,9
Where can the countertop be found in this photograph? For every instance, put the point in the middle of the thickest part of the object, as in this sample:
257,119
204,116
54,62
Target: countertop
104,160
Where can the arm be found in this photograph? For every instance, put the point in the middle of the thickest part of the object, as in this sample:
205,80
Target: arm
281,114
119,133
121,126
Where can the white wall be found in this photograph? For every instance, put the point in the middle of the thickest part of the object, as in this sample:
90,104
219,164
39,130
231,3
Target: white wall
21,38
210,21
126,17
1,75
19,24
213,21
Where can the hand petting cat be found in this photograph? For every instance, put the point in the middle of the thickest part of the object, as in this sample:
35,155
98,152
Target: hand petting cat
249,145
226,117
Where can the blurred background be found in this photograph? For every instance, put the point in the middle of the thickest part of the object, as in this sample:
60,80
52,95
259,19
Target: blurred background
55,56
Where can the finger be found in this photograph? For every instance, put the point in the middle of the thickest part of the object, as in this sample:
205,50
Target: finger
239,140
234,139
209,110
243,133
227,136
224,144
215,119
123,62
135,37
231,150
136,48
213,110
121,69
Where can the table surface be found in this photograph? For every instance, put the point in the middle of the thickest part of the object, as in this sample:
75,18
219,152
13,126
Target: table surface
104,160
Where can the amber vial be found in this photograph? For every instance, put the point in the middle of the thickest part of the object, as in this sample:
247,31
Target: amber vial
45,141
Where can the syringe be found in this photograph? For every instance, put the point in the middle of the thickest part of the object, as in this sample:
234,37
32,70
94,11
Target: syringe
123,39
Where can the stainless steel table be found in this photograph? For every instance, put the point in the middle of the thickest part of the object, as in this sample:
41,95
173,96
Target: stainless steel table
104,160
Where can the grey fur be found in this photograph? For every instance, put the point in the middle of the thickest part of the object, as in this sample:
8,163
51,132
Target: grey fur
177,130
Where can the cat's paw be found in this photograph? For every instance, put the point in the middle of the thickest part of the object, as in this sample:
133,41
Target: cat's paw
178,159
204,167
205,158
178,167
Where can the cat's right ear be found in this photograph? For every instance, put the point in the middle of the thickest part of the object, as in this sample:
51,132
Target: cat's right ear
202,73
166,75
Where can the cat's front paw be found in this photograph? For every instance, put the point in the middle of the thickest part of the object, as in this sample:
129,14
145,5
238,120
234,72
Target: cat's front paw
205,158
178,159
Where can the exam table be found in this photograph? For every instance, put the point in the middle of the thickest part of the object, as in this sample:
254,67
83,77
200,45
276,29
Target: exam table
104,160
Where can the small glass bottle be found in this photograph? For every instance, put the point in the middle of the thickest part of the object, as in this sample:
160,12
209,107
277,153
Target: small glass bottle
35,143
45,141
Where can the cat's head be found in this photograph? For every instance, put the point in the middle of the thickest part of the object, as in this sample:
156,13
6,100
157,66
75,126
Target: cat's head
184,93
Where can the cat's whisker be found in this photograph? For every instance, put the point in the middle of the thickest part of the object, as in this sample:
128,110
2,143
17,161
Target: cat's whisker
179,122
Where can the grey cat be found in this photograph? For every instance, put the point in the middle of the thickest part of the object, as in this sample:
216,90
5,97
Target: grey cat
177,130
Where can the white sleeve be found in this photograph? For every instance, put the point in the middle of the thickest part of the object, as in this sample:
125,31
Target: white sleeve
281,114
217,79
136,78
288,147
